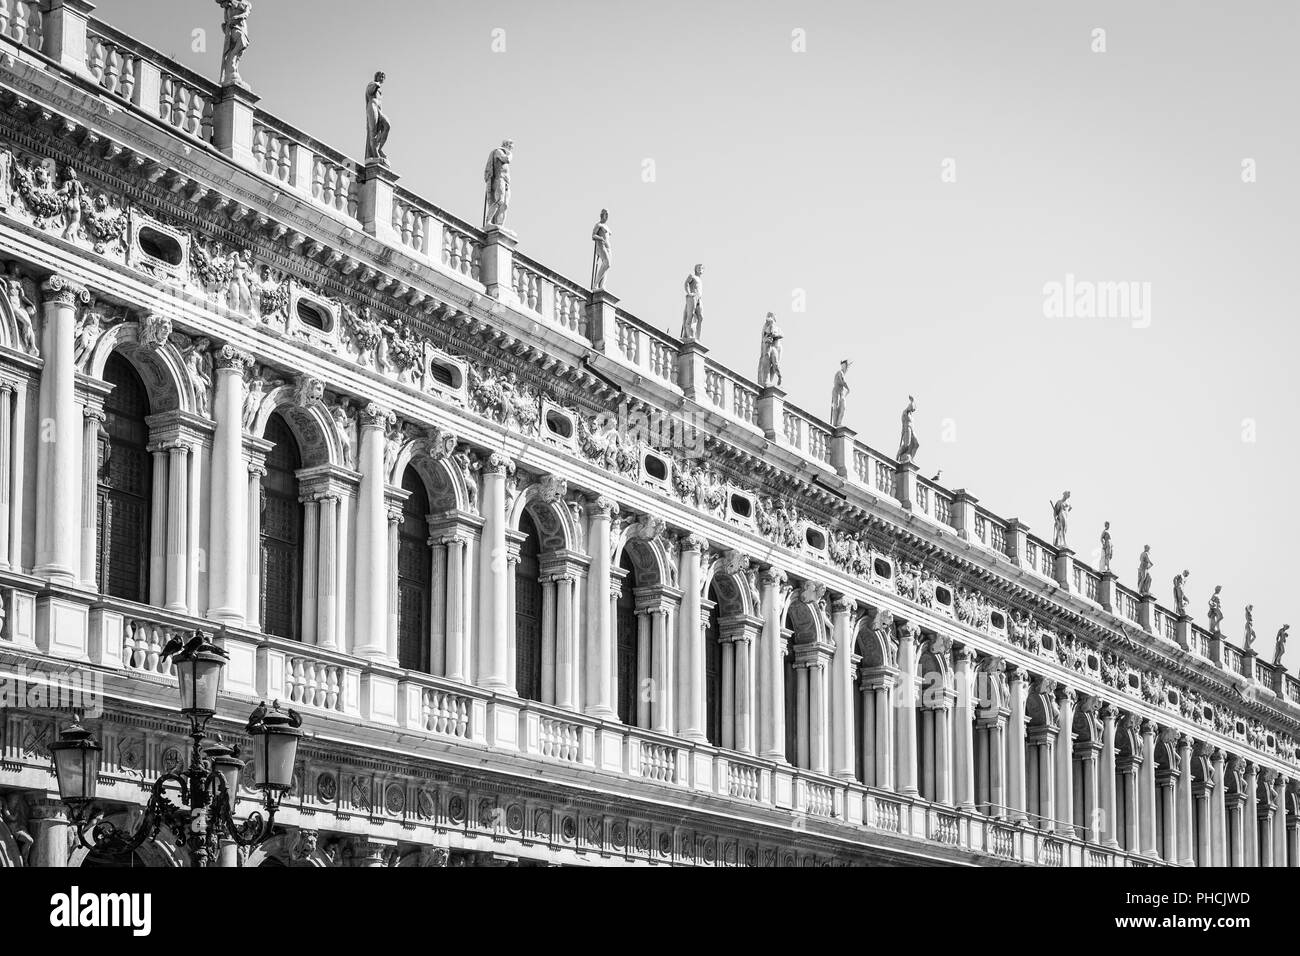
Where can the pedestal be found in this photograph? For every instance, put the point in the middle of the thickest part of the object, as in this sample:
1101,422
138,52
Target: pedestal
232,124
690,370
497,263
375,203
601,313
905,484
771,412
1064,569
842,450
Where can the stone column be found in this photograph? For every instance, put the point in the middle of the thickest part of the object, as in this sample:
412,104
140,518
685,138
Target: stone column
1186,850
493,640
1064,809
394,595
49,819
1147,790
1218,812
326,631
690,670
842,762
727,659
58,450
6,472
1250,819
1016,679
94,417
1166,784
963,728
1279,821
457,665
905,745
661,708
644,673
741,635
1265,810
1106,797
255,472
158,527
1086,808
566,647
771,670
17,486
178,545
602,644
229,545
1129,768
370,637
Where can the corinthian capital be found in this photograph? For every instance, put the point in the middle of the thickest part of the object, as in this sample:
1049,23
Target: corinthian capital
376,416
497,463
694,542
602,506
230,357
909,631
63,291
771,577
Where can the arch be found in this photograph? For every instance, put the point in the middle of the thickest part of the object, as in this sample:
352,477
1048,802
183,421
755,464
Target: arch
161,369
807,620
288,849
874,642
732,581
414,576
124,485
282,533
444,484
310,421
11,851
528,613
557,529
160,851
627,641
648,557
1087,726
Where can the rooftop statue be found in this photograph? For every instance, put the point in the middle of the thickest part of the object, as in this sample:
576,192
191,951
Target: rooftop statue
1180,595
1280,647
1145,564
1107,549
235,28
839,394
693,312
1060,512
496,180
600,263
907,443
1216,610
1249,632
769,356
377,127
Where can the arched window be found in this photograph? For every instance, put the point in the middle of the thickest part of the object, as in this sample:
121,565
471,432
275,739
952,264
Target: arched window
281,533
414,576
125,491
626,623
712,672
528,615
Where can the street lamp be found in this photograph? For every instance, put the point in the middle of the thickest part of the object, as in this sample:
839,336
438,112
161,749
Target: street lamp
207,787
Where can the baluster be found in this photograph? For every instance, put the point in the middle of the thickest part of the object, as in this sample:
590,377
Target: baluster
4,17
128,78
96,61
286,161
20,21
318,184
332,700
112,71
165,93
260,136
194,119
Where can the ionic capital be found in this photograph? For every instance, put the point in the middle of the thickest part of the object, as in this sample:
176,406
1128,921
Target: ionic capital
376,416
59,290
601,506
497,463
229,357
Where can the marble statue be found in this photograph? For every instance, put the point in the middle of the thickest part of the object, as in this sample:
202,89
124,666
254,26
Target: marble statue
377,127
345,420
1107,549
73,194
693,311
87,334
1145,564
839,394
601,257
1216,610
496,179
769,358
1060,512
907,443
1280,648
1180,595
1249,631
22,295
198,364
235,27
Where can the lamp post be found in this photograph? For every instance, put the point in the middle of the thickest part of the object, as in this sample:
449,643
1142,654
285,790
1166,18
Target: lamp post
208,786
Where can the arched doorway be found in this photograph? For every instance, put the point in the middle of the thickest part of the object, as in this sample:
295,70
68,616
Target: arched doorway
528,613
414,576
124,496
282,521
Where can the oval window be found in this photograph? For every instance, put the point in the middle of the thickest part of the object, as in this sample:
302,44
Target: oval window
448,376
313,316
559,424
741,506
942,595
997,620
816,540
159,245
883,568
656,467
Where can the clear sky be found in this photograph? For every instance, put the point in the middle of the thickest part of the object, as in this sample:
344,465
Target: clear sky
825,171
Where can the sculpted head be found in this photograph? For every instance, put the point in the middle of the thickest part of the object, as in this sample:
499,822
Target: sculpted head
380,76
699,268
604,215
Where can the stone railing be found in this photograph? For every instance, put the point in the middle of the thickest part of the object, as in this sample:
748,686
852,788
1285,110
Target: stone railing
527,285
819,443
744,782
445,713
648,349
1126,603
658,762
275,154
23,22
550,296
313,683
569,309
560,740
729,393
185,106
114,67
461,251
944,828
820,799
143,641
412,227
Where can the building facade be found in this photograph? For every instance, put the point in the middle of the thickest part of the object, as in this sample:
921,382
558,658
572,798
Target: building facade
547,585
